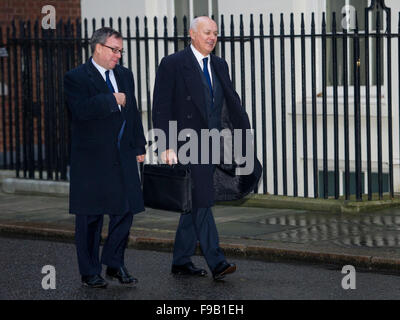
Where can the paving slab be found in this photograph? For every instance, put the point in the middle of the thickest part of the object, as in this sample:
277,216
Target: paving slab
370,240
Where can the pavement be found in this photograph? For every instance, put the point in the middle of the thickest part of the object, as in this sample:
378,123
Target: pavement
369,240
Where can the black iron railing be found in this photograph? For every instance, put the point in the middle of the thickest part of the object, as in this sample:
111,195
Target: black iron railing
337,159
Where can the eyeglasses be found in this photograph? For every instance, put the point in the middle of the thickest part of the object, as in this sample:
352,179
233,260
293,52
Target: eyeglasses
114,50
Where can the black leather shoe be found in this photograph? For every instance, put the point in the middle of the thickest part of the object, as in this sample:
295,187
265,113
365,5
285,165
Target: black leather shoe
223,269
122,275
95,281
188,269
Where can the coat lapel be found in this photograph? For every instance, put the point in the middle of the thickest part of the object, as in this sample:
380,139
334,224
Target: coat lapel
96,78
118,77
193,82
121,85
98,81
217,69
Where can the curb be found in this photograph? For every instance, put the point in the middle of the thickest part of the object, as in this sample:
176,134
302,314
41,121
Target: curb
232,250
35,187
61,189
311,204
4,174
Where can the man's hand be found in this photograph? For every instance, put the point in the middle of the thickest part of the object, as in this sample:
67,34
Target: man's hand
140,158
121,98
169,157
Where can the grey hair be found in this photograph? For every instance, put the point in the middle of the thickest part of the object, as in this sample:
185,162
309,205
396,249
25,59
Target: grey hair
195,22
101,35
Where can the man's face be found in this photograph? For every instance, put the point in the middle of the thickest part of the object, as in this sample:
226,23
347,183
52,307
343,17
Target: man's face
105,56
204,38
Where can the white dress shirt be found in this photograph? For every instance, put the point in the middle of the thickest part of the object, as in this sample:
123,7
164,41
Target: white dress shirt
112,77
200,58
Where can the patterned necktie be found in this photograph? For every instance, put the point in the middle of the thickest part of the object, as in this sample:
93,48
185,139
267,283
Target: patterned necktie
207,75
110,86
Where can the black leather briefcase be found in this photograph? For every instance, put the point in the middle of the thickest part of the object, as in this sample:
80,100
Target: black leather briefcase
167,187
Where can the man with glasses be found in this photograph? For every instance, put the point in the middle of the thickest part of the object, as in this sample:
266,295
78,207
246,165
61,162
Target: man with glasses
107,141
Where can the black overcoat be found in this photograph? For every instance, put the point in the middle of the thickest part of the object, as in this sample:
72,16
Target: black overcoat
179,96
103,178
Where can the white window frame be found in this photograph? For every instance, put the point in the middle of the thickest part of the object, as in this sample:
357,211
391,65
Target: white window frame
191,8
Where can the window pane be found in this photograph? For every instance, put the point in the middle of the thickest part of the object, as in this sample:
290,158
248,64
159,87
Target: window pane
181,10
215,10
375,184
352,187
359,6
373,42
200,8
330,183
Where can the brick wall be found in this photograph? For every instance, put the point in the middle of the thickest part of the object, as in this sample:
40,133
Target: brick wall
32,9
17,10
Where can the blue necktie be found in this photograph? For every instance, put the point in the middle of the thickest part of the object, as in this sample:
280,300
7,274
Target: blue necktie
110,86
207,75
108,81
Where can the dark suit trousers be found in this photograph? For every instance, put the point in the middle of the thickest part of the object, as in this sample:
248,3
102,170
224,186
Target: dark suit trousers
88,236
198,225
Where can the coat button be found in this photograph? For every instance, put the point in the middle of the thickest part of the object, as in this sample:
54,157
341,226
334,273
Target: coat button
189,116
188,98
116,163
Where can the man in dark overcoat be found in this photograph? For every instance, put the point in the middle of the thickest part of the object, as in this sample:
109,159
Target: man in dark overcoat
193,89
107,141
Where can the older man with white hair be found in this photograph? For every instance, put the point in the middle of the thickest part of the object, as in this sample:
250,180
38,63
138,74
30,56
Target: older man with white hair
194,89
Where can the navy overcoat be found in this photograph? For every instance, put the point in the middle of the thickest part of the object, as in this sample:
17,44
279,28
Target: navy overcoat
103,178
179,96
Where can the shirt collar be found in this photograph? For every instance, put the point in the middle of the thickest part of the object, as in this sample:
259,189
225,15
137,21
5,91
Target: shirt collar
101,69
199,56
